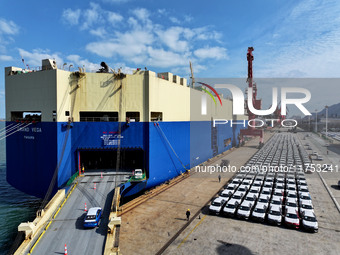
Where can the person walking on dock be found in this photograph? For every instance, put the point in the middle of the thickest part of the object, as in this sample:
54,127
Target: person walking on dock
219,178
188,214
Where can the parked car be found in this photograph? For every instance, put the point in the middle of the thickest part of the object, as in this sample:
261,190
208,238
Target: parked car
250,199
259,213
226,194
309,221
292,218
237,197
230,208
244,210
275,215
306,206
263,201
304,197
291,203
92,217
217,205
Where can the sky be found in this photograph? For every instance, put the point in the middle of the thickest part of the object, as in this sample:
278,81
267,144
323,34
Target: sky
292,38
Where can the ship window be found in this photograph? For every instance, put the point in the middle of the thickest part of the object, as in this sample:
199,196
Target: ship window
67,113
156,116
26,116
98,116
133,116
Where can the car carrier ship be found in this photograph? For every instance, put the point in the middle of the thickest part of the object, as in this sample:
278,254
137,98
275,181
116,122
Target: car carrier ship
61,121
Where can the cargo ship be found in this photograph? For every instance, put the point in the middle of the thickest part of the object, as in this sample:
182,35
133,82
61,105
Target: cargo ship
60,122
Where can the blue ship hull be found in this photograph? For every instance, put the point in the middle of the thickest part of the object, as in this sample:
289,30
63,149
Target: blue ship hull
164,149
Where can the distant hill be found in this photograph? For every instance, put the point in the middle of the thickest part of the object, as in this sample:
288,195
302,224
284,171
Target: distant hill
333,111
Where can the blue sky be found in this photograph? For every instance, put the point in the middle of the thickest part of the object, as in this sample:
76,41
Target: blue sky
291,38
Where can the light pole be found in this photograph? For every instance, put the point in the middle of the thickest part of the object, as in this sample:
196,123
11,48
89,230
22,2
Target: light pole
309,123
316,120
326,121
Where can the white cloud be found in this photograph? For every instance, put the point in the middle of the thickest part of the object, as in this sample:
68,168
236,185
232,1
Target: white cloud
125,69
6,58
8,27
100,32
116,1
91,16
70,16
162,58
114,17
211,52
162,11
308,50
206,33
142,14
174,20
171,38
188,18
131,45
140,41
33,59
78,61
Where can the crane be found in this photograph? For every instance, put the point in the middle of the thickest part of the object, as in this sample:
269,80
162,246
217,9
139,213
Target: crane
192,75
251,130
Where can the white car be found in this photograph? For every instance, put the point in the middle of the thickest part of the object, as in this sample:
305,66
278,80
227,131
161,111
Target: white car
237,197
257,184
275,215
254,192
306,206
236,181
292,218
216,205
276,201
268,185
304,197
265,192
259,213
291,194
226,194
280,180
242,189
244,210
246,182
309,221
269,189
279,186
291,187
263,201
319,157
303,189
230,208
251,199
291,203
232,187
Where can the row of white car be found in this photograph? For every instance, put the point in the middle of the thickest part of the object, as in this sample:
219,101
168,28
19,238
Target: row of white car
281,150
277,197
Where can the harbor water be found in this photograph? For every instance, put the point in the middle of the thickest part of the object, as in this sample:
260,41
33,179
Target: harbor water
15,206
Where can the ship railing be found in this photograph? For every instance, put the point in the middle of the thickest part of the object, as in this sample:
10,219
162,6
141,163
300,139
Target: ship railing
98,119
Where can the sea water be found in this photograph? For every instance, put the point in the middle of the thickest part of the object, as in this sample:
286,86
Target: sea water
15,206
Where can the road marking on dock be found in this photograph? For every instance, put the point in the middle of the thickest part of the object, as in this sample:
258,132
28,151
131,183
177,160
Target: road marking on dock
191,231
85,179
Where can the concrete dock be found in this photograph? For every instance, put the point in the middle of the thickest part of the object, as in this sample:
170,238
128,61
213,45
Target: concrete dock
220,235
148,227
